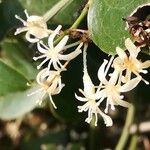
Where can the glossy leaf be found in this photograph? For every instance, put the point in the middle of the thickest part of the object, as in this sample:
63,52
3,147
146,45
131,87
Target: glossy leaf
17,104
15,57
11,80
105,22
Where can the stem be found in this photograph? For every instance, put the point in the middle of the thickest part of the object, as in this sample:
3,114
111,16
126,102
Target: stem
54,10
133,143
81,17
76,23
125,133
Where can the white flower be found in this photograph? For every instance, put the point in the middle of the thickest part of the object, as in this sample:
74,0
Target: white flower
33,26
93,109
55,54
111,89
50,84
90,98
130,63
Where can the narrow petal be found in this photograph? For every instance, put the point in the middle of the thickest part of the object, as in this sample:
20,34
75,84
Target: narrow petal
20,30
88,85
41,49
42,63
31,40
114,77
70,56
131,48
71,45
121,53
55,65
122,103
146,64
99,95
60,46
23,21
107,120
130,84
73,54
51,100
52,36
41,75
39,57
52,86
26,13
81,98
49,64
101,72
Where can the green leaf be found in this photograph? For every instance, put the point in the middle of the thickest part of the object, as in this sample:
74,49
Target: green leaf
105,22
66,15
16,104
15,57
11,80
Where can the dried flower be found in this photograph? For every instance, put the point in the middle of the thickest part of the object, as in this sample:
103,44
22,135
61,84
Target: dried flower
91,97
34,26
130,63
55,54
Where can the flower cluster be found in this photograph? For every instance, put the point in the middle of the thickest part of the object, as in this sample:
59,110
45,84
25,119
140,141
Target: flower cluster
112,88
125,75
54,55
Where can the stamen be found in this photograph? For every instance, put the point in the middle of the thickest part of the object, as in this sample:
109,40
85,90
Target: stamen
19,18
51,100
43,62
39,57
26,13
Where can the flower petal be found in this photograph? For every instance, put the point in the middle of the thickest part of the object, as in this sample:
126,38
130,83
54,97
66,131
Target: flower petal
131,84
121,53
41,49
114,77
88,85
131,48
31,40
52,36
146,64
51,100
20,30
72,55
69,56
122,103
101,72
107,120
60,46
81,98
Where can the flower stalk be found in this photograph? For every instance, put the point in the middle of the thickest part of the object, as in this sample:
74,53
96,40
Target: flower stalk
125,133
